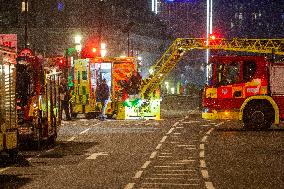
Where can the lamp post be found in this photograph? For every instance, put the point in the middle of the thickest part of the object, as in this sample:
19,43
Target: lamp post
209,31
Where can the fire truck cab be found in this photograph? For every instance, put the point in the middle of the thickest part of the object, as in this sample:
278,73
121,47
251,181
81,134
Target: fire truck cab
246,88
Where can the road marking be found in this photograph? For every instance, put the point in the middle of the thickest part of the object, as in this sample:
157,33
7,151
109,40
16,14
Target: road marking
146,164
189,122
171,130
4,169
138,174
165,156
177,133
209,185
163,139
220,124
205,174
179,127
178,170
84,131
201,154
129,186
202,163
95,155
208,132
50,150
169,184
204,125
169,174
204,139
71,139
166,178
158,146
153,154
185,145
201,146
176,123
165,166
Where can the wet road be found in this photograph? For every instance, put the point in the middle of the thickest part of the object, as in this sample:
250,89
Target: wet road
179,151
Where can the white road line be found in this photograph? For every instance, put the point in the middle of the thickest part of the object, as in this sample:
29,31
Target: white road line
158,146
50,150
166,178
205,174
173,174
169,184
189,122
201,154
176,123
153,154
204,125
174,142
165,153
185,145
165,156
201,146
209,185
179,127
71,139
204,139
177,133
186,160
208,132
145,164
220,124
171,130
179,170
84,131
202,163
129,186
95,155
138,174
165,166
163,139
4,169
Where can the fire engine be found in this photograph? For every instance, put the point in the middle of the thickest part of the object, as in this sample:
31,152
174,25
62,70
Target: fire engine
8,117
38,100
248,88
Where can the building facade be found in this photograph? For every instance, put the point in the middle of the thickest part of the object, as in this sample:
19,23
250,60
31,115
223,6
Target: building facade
127,28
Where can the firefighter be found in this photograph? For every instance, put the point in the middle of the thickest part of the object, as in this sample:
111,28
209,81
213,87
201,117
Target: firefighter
134,84
64,98
103,95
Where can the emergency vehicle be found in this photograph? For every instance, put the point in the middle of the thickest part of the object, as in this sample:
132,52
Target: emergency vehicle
245,88
87,75
8,116
38,100
249,88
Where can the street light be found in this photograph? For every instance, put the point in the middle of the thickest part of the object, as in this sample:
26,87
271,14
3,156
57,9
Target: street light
209,31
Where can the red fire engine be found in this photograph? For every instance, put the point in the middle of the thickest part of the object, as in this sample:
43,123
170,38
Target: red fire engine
248,88
38,100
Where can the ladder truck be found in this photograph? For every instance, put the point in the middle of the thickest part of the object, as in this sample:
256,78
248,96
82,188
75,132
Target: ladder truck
8,116
255,96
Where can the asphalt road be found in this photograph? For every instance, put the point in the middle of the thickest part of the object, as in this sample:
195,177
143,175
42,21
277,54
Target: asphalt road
179,151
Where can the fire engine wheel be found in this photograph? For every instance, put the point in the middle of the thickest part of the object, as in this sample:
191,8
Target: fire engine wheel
258,116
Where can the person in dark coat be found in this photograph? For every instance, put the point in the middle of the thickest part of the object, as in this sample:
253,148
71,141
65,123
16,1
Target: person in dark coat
103,95
64,98
134,83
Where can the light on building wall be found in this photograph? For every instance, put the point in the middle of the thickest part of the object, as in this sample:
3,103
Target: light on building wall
103,50
24,6
78,39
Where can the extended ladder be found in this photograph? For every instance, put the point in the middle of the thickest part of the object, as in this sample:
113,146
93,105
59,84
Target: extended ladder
182,45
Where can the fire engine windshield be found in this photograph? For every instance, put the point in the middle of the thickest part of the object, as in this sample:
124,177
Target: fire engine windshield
228,73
